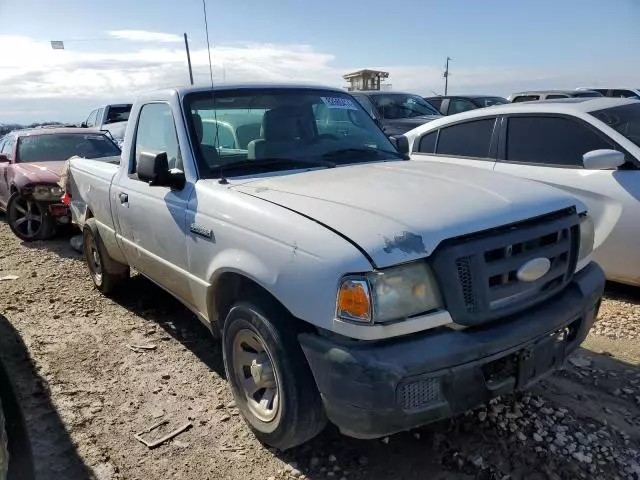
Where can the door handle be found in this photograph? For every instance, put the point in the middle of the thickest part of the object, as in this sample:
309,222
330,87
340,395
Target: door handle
124,198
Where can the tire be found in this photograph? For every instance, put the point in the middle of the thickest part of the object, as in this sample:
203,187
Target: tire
28,219
4,446
296,413
107,274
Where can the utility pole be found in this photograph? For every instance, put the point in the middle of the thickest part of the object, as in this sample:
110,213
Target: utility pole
186,46
446,76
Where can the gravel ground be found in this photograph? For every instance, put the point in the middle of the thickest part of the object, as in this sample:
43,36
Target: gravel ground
87,387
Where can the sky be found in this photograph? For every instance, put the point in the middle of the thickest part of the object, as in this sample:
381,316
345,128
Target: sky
116,49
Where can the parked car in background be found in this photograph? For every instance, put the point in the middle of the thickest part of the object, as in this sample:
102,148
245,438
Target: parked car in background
340,274
589,147
30,165
451,104
397,112
551,95
112,118
616,92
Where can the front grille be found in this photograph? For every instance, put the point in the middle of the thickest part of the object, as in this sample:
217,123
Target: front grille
463,265
479,274
418,394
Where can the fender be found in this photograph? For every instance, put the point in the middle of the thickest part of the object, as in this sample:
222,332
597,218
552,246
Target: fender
242,263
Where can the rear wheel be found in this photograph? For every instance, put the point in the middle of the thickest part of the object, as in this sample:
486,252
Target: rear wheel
107,274
29,220
269,375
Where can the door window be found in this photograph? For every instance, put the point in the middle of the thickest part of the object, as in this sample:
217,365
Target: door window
623,94
428,143
553,141
157,133
91,119
526,98
99,116
457,105
555,95
436,102
366,104
469,139
7,146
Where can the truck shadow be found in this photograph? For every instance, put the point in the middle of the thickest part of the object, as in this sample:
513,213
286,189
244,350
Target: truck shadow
145,299
462,448
626,293
54,454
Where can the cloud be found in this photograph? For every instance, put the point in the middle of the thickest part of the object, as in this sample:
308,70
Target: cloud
144,36
33,75
65,85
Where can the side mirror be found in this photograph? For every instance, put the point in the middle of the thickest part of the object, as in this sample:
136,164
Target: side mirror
154,169
83,125
4,158
401,143
604,159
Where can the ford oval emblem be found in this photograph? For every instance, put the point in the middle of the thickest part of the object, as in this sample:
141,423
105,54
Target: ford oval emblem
533,269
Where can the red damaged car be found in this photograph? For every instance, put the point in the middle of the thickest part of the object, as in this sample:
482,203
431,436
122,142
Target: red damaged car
30,165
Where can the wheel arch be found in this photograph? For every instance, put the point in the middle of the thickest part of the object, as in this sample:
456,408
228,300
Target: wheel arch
228,287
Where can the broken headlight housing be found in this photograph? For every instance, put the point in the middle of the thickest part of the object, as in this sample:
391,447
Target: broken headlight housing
391,294
46,193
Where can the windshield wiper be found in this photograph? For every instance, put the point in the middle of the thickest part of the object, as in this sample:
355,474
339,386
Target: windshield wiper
355,152
271,161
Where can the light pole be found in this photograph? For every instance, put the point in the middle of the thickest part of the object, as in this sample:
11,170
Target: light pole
186,46
446,75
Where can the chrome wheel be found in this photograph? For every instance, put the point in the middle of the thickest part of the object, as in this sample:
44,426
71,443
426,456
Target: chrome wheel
93,258
256,376
26,217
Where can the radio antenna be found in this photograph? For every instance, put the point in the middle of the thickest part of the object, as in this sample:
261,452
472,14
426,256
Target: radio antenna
206,27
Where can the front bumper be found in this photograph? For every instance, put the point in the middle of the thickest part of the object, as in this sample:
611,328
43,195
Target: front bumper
373,389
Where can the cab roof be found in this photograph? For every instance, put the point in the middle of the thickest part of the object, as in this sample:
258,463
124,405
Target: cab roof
186,90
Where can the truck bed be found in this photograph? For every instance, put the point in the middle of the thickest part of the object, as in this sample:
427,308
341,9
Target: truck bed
92,178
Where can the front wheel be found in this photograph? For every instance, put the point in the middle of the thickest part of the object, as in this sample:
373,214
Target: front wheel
269,375
29,220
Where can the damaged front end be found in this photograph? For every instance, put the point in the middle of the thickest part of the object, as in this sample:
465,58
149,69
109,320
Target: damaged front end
49,196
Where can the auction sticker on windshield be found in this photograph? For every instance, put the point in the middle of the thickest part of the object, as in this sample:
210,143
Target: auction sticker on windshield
339,102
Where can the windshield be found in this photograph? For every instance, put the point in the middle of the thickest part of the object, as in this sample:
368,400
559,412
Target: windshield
236,127
393,106
490,101
625,120
118,114
59,147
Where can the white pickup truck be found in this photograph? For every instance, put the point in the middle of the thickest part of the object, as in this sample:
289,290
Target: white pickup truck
347,282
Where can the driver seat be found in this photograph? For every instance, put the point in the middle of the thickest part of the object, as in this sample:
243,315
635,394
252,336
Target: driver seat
284,129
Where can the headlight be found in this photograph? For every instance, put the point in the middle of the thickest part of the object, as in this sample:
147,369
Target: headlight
587,236
46,192
390,294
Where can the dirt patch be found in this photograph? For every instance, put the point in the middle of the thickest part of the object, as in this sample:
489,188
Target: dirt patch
88,385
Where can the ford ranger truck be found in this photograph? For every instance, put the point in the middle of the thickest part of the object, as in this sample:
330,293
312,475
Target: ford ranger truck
348,284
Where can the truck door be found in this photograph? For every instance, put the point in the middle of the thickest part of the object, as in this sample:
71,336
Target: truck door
152,219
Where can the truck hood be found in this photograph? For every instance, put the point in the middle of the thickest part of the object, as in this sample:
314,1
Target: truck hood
401,211
39,172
